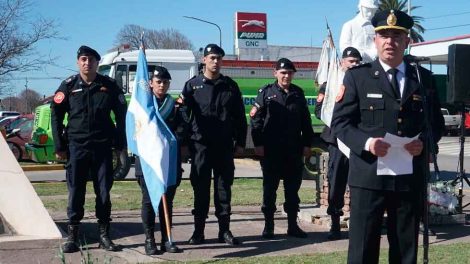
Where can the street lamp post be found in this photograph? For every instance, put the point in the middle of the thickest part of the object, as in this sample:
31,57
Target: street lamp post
208,22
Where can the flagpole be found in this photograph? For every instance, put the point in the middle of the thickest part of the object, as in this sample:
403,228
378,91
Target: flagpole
167,219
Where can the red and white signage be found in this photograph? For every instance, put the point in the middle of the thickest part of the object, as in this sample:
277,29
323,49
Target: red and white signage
250,30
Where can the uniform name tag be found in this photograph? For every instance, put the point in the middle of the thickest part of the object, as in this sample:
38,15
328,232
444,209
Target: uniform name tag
77,90
374,95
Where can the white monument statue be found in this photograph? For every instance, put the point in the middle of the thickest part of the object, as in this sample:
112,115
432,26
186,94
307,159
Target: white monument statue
359,32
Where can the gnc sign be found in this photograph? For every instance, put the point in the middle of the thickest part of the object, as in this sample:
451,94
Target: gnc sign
250,30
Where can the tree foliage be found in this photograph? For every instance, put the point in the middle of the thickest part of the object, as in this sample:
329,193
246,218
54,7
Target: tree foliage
402,5
19,35
154,39
26,101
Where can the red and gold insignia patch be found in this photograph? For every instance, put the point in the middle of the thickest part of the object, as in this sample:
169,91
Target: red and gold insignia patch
340,94
59,97
253,111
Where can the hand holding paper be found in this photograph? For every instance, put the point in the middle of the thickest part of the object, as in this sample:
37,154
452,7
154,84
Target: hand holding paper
399,159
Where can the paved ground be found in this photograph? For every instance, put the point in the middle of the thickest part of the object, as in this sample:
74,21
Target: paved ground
247,224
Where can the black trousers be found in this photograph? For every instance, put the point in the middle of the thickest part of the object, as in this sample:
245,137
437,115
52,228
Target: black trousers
208,159
367,210
94,163
147,212
338,169
277,165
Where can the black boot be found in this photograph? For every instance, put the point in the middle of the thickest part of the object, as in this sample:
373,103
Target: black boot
335,230
150,245
268,231
167,246
224,232
198,234
293,229
71,245
105,241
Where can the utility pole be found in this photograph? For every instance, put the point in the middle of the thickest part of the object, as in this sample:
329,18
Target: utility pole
26,94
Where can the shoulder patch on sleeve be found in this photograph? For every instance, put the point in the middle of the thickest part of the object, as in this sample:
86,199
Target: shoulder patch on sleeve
59,97
340,94
253,111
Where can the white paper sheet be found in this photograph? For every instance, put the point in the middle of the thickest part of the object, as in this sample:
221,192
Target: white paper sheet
343,147
398,161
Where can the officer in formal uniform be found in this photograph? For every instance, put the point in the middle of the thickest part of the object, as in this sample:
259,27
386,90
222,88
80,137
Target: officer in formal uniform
217,131
87,142
384,97
175,119
282,132
338,163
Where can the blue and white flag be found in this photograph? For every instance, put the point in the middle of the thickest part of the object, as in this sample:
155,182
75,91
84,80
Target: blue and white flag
149,137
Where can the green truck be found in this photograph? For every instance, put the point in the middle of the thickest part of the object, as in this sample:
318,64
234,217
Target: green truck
182,65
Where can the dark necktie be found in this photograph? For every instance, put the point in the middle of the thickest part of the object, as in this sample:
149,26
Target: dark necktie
394,82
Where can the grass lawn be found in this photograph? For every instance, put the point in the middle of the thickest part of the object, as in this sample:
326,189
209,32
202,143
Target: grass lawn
455,253
126,195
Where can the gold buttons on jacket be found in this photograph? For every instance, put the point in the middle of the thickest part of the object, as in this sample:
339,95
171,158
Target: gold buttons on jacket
399,120
399,133
371,107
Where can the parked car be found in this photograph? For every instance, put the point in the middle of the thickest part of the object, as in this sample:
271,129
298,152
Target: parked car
8,113
5,122
452,122
19,135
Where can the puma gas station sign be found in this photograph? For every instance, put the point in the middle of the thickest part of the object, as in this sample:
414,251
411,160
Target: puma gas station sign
250,30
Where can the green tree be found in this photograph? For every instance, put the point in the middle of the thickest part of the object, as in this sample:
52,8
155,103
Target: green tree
402,5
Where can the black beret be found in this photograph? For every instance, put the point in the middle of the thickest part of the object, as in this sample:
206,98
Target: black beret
392,19
285,64
161,73
213,49
85,50
351,52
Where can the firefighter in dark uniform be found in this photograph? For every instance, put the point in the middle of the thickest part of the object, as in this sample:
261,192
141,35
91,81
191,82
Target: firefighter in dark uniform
384,97
338,163
282,132
88,98
174,117
217,132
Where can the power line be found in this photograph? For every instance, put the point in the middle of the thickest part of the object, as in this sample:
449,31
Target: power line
463,25
448,15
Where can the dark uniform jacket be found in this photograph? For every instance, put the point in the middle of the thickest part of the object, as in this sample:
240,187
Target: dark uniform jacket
217,110
369,108
281,119
89,113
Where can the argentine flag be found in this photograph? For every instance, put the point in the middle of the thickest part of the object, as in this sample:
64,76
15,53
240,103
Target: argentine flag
149,137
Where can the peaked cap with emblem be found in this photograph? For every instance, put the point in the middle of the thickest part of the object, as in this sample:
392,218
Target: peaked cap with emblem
213,49
161,73
85,50
285,64
392,19
351,52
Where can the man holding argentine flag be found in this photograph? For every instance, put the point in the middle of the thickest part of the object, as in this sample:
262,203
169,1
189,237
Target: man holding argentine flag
150,138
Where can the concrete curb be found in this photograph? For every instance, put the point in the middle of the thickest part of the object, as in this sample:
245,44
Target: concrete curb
42,167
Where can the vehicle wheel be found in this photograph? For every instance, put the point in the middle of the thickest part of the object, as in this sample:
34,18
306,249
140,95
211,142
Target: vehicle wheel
312,163
121,166
16,150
